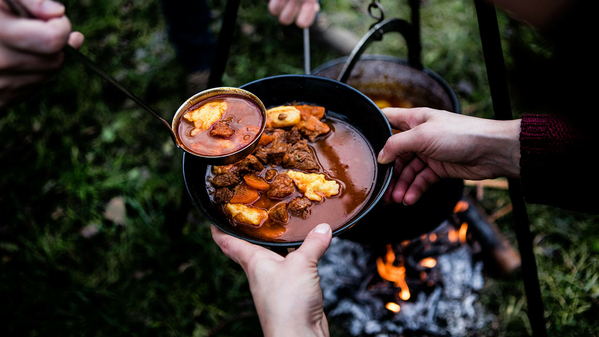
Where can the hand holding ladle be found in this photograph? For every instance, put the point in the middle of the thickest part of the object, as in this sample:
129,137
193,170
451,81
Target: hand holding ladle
21,11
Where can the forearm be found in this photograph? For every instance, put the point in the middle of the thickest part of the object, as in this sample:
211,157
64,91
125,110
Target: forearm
501,141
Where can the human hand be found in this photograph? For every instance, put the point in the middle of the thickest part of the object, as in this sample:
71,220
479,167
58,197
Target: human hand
437,144
302,12
286,290
30,49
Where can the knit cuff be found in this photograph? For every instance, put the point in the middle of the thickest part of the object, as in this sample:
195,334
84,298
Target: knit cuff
555,162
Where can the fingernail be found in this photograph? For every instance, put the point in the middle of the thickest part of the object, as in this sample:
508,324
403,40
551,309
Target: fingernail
380,158
52,7
323,228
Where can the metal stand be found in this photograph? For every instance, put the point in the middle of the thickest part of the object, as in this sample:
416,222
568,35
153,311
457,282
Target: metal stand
225,39
489,33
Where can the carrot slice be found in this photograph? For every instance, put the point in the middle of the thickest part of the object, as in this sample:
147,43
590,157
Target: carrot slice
244,194
256,182
265,139
311,110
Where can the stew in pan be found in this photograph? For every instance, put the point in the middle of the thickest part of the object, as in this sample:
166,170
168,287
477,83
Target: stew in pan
308,168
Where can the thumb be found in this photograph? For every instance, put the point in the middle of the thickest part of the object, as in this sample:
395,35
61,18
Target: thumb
316,243
399,145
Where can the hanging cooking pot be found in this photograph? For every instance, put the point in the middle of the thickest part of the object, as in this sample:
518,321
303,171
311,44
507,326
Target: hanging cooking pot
395,82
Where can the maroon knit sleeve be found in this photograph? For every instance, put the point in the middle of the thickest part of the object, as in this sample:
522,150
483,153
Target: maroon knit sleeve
557,163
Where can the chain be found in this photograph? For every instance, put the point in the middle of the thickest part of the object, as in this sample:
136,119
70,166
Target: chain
373,8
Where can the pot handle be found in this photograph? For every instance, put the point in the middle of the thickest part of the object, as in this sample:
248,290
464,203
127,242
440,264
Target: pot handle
403,27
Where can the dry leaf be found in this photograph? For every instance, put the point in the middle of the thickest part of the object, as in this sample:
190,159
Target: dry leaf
89,230
115,211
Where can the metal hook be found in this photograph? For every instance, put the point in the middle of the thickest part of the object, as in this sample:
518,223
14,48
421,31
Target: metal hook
375,5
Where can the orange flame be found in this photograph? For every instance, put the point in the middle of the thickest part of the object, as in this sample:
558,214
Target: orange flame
392,273
462,232
392,306
428,262
461,206
452,235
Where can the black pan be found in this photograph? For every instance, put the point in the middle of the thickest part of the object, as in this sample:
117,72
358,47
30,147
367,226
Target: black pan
348,103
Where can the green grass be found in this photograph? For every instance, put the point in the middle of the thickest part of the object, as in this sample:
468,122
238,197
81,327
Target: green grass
76,146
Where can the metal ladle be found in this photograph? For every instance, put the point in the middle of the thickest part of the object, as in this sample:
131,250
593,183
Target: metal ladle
20,10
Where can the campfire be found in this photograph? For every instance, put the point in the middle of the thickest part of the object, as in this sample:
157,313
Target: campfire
425,286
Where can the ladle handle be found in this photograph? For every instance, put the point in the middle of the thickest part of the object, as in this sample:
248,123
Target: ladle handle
20,10
307,51
93,66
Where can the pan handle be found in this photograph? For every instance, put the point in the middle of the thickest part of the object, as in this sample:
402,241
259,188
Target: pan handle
408,31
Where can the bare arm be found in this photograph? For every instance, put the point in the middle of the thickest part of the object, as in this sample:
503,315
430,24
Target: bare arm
437,144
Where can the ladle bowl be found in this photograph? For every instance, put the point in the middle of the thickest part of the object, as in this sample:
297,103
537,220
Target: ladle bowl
227,158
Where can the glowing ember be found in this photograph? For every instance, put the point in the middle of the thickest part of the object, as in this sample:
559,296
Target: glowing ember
460,206
428,262
462,232
396,274
392,306
452,235
404,294
433,237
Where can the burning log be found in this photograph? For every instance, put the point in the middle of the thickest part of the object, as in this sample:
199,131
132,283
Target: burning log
426,285
495,247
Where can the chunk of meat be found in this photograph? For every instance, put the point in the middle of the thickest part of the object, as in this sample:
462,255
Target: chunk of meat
220,169
206,115
293,136
277,152
249,164
279,141
270,174
300,157
314,186
246,215
279,213
300,207
313,128
261,153
221,129
280,187
272,154
225,180
282,116
223,195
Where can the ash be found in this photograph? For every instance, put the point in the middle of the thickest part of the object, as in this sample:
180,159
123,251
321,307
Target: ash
450,309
